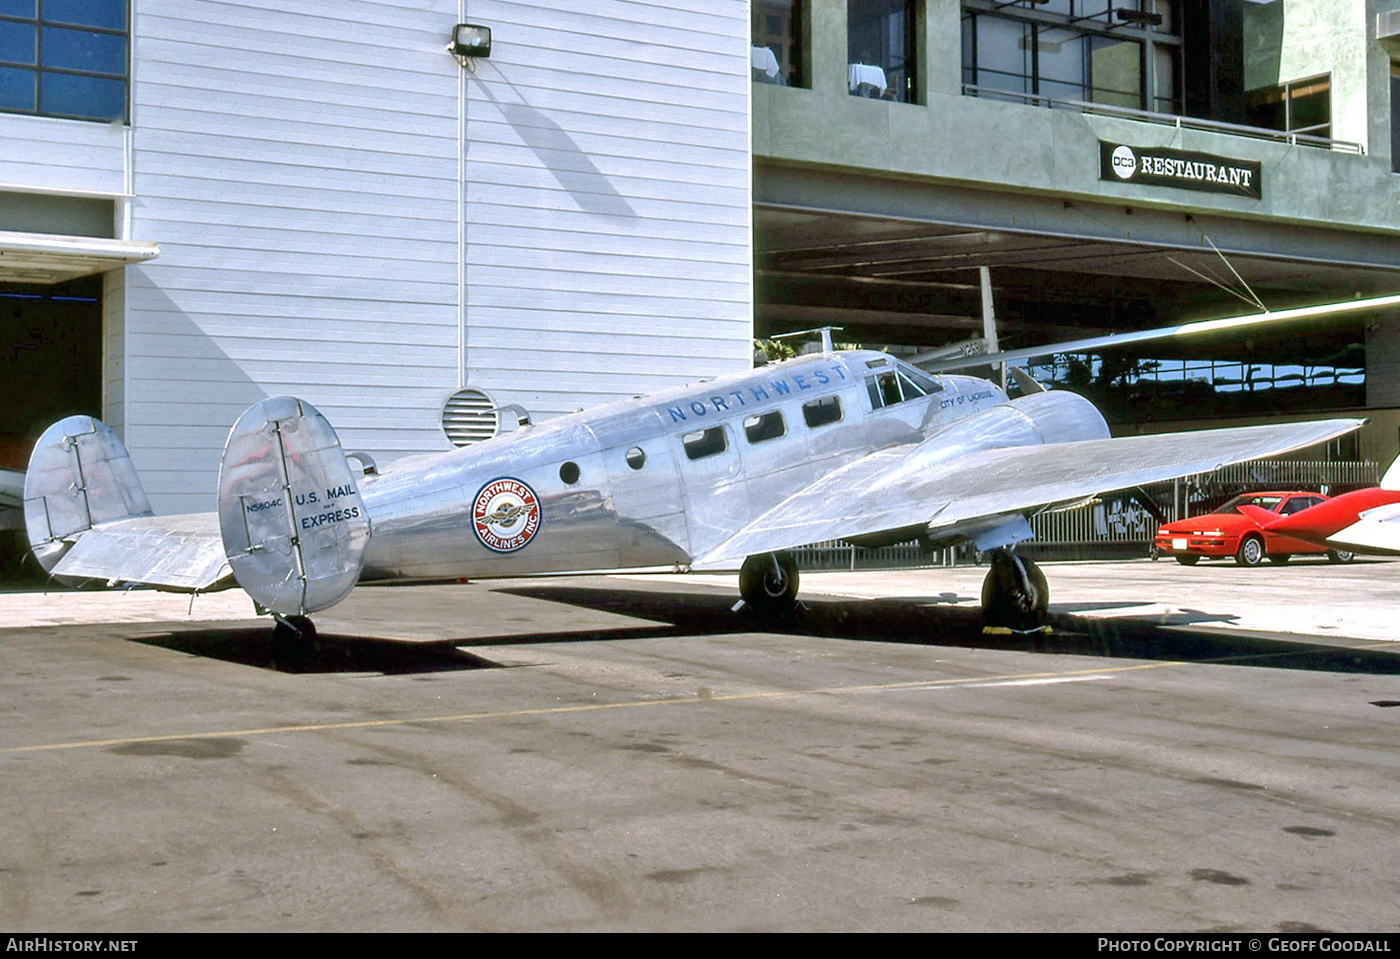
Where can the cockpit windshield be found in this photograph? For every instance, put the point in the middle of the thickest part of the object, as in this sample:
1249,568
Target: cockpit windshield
902,383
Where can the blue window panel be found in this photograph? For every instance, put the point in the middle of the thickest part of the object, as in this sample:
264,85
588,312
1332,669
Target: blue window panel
17,89
17,42
110,14
17,8
84,50
89,98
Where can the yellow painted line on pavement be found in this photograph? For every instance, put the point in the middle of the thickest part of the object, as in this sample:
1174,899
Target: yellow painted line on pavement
688,700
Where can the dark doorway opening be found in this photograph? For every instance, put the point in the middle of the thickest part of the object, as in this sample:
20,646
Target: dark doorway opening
51,338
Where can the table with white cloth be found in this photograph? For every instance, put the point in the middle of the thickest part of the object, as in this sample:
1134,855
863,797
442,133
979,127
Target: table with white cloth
765,65
866,75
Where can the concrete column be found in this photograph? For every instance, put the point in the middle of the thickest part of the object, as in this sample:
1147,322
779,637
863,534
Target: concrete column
940,62
828,47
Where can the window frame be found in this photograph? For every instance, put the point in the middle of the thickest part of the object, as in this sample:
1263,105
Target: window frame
1153,91
40,71
909,61
759,431
814,409
707,442
793,46
1287,94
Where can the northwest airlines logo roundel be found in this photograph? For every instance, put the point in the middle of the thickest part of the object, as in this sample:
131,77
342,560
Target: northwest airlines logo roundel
506,515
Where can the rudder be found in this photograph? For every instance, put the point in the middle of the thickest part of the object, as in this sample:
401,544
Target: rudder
80,475
293,524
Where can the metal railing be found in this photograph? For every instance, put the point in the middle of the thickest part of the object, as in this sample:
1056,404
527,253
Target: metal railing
835,554
1166,119
1288,474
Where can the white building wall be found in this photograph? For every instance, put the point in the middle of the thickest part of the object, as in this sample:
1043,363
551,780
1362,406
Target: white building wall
48,155
296,163
608,206
302,167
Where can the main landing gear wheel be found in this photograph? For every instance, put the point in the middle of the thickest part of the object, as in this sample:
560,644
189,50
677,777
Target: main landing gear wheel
768,583
1187,559
1251,551
293,637
1015,594
1340,556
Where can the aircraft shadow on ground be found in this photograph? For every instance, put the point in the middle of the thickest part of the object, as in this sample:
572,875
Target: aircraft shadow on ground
661,613
925,622
333,653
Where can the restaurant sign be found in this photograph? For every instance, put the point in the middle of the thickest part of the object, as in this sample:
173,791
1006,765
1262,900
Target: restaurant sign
1161,166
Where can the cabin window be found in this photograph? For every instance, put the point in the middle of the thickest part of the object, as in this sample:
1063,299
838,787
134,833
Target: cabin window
822,411
636,457
569,473
764,426
703,443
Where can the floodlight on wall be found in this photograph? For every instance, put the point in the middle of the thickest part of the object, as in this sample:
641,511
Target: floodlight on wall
469,41
1139,18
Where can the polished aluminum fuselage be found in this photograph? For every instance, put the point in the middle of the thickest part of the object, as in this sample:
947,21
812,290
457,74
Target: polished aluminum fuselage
618,487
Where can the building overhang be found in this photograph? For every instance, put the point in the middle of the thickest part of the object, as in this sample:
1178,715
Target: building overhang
43,258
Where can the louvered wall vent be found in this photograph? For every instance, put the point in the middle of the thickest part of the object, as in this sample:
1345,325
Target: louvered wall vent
468,417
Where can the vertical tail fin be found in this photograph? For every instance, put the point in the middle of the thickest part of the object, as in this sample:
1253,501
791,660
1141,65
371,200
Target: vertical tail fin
80,475
1391,479
293,524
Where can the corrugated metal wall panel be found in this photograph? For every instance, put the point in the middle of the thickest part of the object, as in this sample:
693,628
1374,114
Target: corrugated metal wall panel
301,174
43,153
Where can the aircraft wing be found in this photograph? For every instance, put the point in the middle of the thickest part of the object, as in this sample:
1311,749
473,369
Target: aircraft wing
1377,531
170,552
921,487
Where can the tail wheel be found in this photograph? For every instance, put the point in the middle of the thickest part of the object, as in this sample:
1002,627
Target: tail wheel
1251,551
1340,556
293,637
768,583
1015,594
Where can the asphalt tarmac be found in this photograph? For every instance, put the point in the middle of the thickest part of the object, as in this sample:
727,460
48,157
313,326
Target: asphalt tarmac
1203,749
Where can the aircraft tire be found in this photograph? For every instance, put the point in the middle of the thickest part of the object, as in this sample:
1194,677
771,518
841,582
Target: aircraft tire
1187,559
293,637
1251,551
1340,556
769,591
1006,601
1278,559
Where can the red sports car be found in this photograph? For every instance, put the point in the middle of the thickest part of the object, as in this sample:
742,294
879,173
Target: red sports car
1232,532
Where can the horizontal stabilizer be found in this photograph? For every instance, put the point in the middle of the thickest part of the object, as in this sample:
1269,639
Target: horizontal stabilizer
179,553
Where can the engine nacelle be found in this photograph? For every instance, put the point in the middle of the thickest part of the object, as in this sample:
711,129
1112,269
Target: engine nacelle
1062,417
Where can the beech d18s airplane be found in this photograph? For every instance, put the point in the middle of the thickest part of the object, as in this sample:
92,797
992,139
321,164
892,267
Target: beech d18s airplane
850,445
